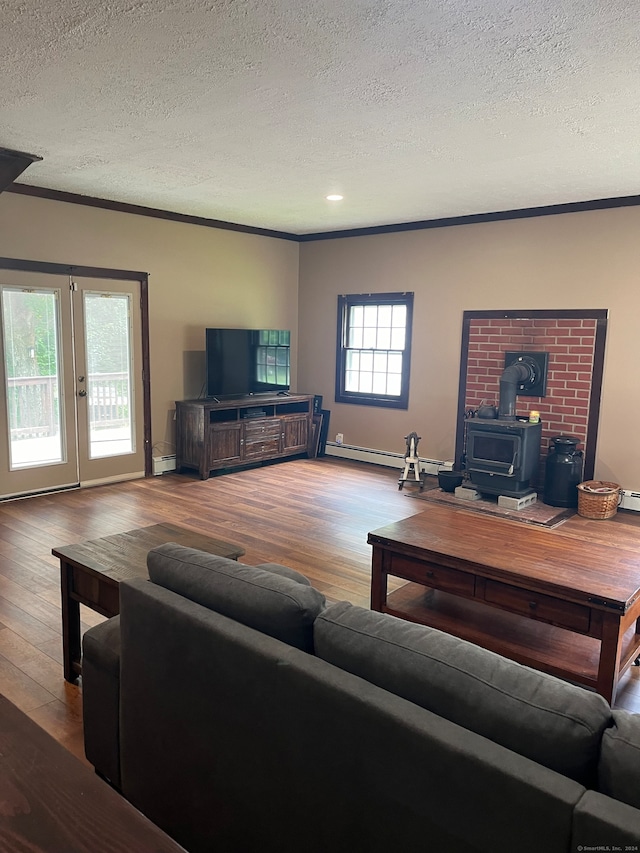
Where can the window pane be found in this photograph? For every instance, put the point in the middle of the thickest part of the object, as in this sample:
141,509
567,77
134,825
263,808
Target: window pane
379,383
355,338
399,316
371,316
395,362
397,339
351,380
366,383
394,384
384,315
108,347
369,338
366,360
384,338
32,368
356,316
353,360
380,362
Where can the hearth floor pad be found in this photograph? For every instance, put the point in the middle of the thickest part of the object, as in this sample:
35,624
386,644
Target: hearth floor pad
537,513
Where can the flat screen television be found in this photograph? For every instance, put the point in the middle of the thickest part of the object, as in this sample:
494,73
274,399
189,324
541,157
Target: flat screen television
240,362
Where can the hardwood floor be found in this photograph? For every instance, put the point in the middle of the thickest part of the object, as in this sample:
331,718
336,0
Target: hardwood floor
312,515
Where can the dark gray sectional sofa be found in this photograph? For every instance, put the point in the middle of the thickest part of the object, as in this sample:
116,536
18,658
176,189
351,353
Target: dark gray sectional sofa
239,713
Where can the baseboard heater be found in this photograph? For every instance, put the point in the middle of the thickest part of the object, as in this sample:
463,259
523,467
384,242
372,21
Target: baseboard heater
164,463
382,457
630,500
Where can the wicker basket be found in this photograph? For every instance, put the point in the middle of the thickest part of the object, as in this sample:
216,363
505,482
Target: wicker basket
598,499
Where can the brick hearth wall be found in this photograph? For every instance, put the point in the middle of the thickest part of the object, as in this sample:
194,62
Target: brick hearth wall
570,344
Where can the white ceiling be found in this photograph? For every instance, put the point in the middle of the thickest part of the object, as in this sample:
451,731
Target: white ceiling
252,111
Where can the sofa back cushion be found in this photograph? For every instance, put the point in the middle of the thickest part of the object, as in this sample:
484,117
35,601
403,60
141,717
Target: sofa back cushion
619,770
271,601
538,716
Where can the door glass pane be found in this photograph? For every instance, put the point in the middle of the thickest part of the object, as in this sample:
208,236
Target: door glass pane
108,381
30,323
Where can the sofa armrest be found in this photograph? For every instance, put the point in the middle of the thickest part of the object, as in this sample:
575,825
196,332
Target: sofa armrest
601,823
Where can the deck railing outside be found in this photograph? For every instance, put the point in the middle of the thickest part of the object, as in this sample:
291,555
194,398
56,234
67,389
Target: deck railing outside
34,405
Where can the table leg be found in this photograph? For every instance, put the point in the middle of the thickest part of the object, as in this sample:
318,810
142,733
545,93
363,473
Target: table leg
71,651
378,580
609,666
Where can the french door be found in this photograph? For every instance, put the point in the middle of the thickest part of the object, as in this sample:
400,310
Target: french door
71,370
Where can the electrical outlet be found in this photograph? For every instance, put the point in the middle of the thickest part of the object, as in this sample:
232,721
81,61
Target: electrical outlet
339,438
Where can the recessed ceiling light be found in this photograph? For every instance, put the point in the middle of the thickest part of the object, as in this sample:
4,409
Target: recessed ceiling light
334,197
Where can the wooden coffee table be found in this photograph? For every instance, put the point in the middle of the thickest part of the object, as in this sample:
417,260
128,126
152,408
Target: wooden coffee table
555,602
49,801
90,574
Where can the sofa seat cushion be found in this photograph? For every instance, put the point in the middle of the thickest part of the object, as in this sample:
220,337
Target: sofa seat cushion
264,599
619,770
101,644
533,714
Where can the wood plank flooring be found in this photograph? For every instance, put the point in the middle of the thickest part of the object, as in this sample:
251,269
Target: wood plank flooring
312,515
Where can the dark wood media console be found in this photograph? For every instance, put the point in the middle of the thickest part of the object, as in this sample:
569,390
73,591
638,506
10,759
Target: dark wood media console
555,602
214,435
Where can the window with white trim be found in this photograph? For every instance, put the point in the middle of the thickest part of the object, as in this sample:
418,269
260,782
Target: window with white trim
374,349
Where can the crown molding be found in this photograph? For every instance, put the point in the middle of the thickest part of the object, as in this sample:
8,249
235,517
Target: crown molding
419,225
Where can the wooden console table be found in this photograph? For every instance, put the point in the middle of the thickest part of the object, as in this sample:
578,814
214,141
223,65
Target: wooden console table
557,603
90,574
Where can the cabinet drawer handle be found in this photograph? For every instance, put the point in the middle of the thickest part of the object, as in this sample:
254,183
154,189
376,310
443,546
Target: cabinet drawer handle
533,605
430,574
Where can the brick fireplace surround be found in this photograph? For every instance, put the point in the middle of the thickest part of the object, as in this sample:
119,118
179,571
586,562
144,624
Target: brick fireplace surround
564,410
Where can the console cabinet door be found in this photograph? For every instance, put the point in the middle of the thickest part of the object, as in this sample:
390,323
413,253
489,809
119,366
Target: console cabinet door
295,434
225,444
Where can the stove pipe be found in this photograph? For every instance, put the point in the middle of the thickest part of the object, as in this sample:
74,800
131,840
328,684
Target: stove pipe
514,375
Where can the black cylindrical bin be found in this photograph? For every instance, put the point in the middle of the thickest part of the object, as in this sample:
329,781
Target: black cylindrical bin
563,471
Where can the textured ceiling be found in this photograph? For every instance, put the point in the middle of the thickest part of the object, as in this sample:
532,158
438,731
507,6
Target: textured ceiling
252,111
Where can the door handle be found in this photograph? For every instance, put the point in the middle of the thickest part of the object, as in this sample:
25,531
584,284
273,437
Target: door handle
82,393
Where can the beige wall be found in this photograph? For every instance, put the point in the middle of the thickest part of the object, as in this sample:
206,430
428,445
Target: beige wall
198,277
204,276
583,260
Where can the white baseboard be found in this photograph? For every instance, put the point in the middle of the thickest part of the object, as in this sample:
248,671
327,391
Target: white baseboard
164,463
382,457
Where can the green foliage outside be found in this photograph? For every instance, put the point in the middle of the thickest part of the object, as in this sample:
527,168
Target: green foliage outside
30,333
107,328
30,328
